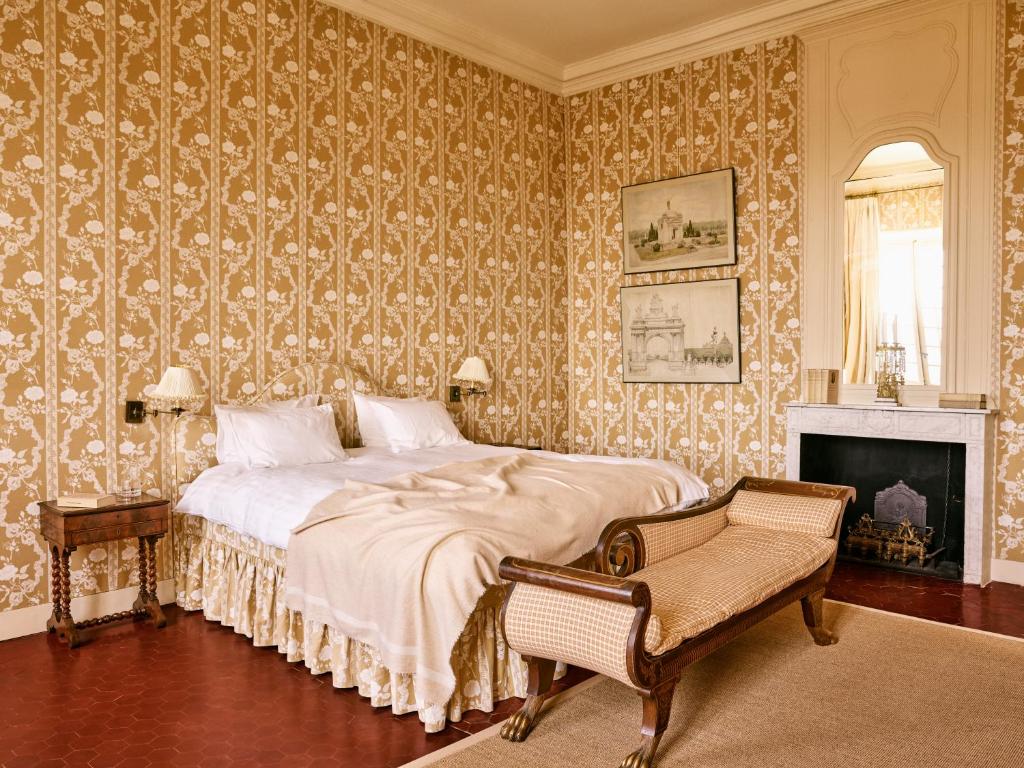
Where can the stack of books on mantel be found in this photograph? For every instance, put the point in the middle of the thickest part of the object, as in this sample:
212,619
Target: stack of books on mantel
821,385
961,400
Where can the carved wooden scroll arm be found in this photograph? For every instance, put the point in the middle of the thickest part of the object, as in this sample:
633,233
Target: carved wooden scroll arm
574,580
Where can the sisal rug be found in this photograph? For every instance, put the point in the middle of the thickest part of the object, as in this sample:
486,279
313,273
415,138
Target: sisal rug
895,691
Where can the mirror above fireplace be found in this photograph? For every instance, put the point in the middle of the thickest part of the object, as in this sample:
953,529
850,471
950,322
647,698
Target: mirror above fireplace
894,264
864,108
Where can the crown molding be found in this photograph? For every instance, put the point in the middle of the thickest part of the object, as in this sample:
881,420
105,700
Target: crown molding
444,30
425,22
776,19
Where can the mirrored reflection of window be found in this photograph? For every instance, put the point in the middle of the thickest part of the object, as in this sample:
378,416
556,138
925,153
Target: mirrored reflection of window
894,262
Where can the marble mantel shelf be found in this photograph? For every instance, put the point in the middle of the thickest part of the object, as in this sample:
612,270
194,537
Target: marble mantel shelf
971,426
892,407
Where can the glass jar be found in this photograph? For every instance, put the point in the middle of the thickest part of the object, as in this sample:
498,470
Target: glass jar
129,486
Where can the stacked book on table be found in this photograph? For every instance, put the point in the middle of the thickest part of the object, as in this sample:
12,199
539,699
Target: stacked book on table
85,500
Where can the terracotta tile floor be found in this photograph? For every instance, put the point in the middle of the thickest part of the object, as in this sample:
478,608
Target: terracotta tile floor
996,608
197,694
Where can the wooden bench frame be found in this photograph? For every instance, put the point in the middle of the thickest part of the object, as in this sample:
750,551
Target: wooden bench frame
620,552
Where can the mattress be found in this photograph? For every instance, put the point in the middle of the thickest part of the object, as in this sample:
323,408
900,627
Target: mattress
266,503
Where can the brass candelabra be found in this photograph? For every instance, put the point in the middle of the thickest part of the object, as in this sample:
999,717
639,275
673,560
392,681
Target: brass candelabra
890,371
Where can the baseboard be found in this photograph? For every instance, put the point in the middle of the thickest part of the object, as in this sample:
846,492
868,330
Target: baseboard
1010,571
28,621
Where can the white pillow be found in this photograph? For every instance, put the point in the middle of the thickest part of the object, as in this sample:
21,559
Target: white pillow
228,451
370,429
410,425
288,437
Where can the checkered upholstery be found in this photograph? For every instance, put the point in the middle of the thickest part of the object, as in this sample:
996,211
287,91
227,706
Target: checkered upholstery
585,631
662,540
701,571
737,569
782,512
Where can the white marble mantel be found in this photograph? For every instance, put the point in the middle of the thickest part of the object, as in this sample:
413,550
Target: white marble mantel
972,427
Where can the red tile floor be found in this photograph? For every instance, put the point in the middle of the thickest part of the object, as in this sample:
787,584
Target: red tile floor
197,694
996,608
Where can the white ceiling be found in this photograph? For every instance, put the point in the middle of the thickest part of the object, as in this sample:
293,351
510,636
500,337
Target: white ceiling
569,46
568,31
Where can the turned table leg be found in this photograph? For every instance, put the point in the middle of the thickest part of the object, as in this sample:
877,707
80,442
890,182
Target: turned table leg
61,620
147,599
143,568
54,621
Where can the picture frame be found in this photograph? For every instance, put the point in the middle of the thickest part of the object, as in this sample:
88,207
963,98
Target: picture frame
685,222
681,333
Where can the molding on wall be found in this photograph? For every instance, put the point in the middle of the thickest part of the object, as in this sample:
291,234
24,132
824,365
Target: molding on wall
1009,571
957,125
423,21
776,19
32,620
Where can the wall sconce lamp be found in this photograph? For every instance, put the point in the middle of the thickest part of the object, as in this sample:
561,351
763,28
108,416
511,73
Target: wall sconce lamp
476,376
178,391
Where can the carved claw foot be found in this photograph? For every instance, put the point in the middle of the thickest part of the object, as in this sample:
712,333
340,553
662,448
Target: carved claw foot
812,609
517,727
638,759
824,637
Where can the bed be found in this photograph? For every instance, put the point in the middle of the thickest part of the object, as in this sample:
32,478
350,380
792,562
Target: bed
231,529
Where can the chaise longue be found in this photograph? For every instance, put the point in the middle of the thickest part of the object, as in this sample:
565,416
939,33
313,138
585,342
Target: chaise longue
669,589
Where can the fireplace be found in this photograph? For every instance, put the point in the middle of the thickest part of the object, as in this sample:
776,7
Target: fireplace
874,447
909,513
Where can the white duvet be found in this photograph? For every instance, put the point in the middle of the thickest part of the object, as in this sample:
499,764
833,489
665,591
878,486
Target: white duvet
267,503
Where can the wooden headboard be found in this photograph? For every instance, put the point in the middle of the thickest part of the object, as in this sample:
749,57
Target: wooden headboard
195,435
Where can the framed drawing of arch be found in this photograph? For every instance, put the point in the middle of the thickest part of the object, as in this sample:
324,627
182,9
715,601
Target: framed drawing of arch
680,223
681,333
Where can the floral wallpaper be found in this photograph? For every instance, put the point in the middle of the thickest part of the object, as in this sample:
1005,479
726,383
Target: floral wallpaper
240,186
1009,533
914,208
739,109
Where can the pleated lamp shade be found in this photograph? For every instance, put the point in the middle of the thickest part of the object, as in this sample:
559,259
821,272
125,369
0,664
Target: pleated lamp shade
178,385
474,370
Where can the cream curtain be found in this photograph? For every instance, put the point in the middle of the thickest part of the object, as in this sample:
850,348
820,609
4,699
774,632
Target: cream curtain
914,209
917,318
861,266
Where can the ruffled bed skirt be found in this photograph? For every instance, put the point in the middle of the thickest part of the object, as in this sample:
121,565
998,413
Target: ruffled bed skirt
239,581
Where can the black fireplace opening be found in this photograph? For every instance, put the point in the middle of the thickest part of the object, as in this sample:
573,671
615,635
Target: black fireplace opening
909,513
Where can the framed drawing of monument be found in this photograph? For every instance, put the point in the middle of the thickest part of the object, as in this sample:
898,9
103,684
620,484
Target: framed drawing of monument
680,223
681,333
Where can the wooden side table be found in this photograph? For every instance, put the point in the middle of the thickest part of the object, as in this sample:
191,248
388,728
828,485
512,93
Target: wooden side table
65,529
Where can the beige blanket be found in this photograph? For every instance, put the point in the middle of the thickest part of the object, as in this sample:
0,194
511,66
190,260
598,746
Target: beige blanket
401,565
